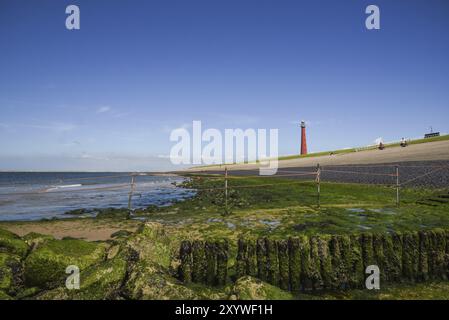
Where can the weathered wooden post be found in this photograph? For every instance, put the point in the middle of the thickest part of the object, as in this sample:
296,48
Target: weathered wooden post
226,190
397,186
185,268
131,192
318,180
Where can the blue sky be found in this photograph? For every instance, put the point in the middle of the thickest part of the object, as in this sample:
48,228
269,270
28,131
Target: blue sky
106,97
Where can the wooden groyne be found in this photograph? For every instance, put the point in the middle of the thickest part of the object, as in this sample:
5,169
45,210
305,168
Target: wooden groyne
322,261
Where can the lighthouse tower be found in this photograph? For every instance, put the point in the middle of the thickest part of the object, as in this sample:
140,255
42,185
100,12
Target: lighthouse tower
303,138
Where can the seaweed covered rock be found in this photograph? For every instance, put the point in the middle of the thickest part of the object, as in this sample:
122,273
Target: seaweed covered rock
4,296
34,239
59,293
121,234
10,242
113,213
148,281
11,273
45,267
151,243
102,281
249,288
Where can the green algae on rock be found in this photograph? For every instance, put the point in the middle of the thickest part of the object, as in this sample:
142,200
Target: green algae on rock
102,281
12,243
34,239
5,296
11,273
45,267
249,288
148,281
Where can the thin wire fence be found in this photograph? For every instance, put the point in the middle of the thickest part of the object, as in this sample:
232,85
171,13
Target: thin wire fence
396,176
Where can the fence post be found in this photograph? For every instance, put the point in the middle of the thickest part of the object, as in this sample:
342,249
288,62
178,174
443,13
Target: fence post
131,192
397,186
226,190
318,180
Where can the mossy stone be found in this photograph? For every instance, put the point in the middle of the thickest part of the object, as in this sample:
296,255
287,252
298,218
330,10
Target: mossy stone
97,282
5,296
151,242
148,281
11,273
249,288
34,239
121,234
102,281
12,243
45,267
113,213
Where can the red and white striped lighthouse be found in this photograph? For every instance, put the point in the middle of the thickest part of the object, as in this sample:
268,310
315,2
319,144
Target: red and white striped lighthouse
303,138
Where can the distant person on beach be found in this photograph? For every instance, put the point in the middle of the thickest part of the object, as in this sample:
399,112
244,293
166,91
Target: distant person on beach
403,142
381,146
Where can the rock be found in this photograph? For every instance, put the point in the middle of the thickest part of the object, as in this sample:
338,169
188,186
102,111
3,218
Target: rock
249,288
151,243
113,251
27,293
45,267
113,213
10,242
148,281
11,273
78,212
102,281
121,234
34,240
4,296
54,294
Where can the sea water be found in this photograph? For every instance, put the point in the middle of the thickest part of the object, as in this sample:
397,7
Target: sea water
39,195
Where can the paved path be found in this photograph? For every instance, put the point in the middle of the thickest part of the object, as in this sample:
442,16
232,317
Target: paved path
424,165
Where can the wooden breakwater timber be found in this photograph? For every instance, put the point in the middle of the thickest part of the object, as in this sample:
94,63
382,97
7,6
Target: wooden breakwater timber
204,262
321,262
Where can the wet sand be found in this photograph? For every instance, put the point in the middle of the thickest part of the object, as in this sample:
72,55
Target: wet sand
88,229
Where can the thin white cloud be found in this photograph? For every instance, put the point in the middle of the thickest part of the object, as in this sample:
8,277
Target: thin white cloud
54,126
104,109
